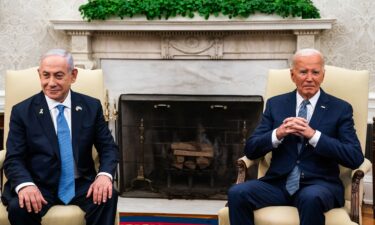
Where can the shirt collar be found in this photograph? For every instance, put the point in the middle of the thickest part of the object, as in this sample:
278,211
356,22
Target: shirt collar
313,100
53,103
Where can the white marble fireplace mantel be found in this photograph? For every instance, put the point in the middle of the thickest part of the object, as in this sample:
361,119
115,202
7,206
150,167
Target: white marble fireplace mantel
209,39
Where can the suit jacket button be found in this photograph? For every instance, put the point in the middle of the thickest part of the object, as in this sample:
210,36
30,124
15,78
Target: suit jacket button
298,161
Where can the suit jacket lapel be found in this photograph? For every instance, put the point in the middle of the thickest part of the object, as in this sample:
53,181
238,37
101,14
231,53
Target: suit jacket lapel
76,123
45,120
320,109
291,106
292,103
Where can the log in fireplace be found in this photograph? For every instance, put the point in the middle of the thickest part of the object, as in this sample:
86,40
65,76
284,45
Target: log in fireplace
182,146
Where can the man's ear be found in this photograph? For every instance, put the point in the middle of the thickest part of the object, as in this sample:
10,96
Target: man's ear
292,75
74,74
38,71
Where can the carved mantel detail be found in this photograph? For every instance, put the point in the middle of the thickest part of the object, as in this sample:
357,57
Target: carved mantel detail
258,39
192,45
81,48
306,38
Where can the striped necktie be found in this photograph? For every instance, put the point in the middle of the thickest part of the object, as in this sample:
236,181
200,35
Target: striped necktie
66,190
292,181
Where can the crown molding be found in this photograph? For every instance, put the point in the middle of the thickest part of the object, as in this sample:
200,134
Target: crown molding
194,25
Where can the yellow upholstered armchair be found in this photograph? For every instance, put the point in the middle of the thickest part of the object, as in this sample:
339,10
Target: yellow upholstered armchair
351,86
22,84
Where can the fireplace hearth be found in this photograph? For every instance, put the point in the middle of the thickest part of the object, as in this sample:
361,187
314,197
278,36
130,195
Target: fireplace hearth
182,146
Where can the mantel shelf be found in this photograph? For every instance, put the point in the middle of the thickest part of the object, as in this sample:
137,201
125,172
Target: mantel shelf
196,38
194,25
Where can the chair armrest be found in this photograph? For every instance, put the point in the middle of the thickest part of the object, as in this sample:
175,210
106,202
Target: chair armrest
365,167
357,175
2,158
247,162
242,165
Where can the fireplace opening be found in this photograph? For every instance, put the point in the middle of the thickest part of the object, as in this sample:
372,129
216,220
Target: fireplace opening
183,146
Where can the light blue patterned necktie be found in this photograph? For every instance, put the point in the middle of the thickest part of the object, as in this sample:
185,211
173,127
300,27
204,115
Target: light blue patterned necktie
292,181
66,190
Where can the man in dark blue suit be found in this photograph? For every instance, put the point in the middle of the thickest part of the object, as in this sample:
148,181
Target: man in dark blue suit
306,150
36,157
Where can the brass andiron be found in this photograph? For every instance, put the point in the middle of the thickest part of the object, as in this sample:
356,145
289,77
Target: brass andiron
140,173
114,111
244,133
109,115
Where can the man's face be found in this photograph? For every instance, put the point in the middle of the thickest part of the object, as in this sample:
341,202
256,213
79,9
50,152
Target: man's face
55,78
308,74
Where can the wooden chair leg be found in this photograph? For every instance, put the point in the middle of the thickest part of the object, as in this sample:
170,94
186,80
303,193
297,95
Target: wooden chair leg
373,190
373,169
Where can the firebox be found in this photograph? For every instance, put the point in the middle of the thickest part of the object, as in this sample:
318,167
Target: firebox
182,146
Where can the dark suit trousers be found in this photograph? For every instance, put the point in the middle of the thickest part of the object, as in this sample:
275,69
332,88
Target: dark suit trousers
103,214
311,201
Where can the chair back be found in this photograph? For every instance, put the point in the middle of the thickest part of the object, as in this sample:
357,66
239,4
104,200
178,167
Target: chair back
349,85
21,84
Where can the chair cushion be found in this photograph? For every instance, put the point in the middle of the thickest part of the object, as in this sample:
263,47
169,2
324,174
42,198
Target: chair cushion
3,215
57,215
285,215
63,215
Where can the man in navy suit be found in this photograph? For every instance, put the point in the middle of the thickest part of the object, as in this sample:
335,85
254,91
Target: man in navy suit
33,159
308,150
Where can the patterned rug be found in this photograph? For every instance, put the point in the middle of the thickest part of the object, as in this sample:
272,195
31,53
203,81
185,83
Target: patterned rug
166,219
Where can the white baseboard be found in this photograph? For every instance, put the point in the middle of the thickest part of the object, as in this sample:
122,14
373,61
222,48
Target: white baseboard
2,100
371,107
367,189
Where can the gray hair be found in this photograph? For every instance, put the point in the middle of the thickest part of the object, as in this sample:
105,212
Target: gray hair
306,52
63,53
